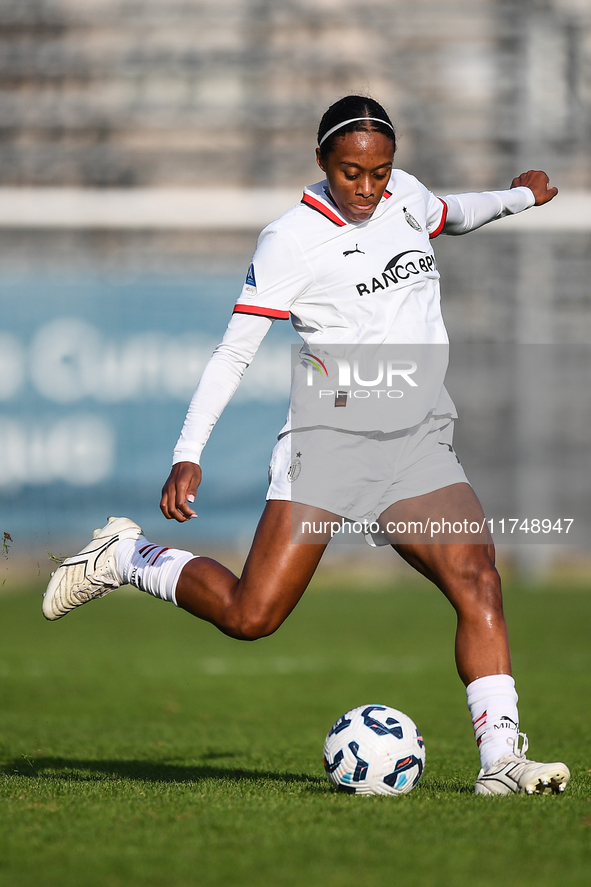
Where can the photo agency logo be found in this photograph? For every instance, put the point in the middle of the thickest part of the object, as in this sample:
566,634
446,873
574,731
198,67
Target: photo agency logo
383,376
366,388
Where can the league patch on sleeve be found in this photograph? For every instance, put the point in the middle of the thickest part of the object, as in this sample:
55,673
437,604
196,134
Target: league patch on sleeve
250,284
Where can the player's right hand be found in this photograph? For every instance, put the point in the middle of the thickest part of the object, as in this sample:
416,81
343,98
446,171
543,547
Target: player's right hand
180,489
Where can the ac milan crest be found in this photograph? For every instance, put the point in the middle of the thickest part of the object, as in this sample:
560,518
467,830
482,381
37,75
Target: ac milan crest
293,472
411,219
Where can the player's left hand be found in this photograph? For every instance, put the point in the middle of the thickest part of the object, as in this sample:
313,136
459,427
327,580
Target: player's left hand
538,183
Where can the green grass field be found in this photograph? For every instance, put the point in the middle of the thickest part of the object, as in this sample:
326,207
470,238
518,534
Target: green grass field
140,747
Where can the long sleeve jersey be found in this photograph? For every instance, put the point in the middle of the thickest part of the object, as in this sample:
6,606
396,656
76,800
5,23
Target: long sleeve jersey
344,283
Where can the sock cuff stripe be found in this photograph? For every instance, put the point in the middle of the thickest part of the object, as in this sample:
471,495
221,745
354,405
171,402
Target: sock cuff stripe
482,717
154,559
147,550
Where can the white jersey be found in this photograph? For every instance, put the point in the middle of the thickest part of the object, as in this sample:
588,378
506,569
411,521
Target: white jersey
344,283
374,281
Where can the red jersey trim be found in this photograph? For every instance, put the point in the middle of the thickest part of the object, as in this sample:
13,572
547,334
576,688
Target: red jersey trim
439,228
261,312
387,194
313,203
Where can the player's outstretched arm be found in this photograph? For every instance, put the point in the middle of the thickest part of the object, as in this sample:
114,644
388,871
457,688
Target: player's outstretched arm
538,183
180,486
467,212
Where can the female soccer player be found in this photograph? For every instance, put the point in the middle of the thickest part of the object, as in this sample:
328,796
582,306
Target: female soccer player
353,267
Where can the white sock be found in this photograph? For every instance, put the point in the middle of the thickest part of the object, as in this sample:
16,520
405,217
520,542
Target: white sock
492,701
151,568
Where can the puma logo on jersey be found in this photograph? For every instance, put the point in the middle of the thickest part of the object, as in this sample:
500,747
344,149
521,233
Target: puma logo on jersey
349,252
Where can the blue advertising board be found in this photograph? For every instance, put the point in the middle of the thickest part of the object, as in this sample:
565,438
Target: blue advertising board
95,377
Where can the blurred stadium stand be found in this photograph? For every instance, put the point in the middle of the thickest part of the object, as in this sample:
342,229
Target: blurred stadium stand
107,93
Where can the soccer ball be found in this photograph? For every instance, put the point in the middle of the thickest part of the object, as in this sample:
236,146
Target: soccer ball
374,750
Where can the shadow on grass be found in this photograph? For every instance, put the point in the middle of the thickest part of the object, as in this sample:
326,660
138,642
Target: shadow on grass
75,770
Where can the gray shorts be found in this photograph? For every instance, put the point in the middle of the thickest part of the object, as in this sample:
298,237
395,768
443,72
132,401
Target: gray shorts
358,476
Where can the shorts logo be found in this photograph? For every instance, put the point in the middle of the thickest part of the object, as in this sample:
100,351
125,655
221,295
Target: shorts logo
293,472
411,219
450,448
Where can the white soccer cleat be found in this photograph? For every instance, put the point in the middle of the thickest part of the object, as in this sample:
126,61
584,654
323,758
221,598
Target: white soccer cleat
515,774
89,574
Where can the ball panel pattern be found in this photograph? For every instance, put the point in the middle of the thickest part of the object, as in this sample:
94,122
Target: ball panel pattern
374,750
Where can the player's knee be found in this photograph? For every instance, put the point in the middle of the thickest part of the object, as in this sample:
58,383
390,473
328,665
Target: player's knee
489,588
252,626
482,589
254,630
487,592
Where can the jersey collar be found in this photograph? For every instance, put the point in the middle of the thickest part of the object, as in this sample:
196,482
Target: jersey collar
316,197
